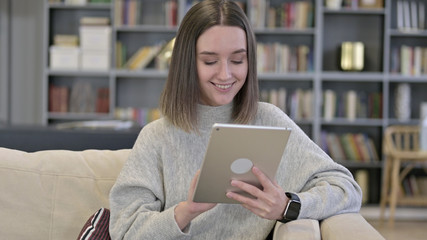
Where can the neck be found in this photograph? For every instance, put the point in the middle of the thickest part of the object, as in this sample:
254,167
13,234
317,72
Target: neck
208,115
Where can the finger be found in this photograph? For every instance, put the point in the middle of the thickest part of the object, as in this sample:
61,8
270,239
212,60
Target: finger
252,190
242,199
194,183
195,178
262,178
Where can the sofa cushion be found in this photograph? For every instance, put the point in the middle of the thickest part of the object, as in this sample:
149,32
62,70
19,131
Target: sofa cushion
50,194
97,226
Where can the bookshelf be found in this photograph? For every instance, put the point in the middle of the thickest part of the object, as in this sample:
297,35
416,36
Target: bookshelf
318,40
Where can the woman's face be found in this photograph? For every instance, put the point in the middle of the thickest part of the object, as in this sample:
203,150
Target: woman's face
222,64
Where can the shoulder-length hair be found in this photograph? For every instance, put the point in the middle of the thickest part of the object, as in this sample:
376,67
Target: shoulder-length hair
181,94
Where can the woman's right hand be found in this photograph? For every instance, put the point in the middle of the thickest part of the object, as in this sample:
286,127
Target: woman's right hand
186,211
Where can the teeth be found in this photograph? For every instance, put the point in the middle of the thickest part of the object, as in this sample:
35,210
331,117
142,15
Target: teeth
223,86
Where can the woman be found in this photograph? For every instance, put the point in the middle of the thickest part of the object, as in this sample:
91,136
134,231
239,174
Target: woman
212,78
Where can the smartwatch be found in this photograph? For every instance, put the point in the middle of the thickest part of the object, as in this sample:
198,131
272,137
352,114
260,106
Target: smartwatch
292,209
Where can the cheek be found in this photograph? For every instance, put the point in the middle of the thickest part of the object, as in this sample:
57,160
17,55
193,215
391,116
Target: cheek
241,73
202,72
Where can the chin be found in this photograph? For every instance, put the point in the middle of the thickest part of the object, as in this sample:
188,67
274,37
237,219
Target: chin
222,103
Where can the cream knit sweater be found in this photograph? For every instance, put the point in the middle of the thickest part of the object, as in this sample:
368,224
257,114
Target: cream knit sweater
164,159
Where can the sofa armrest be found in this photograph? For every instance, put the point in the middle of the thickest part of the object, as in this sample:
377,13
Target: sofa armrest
348,226
299,229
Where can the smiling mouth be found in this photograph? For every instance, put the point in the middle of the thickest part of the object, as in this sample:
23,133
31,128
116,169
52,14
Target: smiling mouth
223,86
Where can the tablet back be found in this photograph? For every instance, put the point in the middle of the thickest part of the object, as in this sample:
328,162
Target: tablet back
232,151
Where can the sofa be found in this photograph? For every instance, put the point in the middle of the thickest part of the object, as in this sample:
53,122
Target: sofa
51,194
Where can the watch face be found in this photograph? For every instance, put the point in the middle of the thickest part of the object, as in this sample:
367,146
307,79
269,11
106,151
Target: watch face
293,210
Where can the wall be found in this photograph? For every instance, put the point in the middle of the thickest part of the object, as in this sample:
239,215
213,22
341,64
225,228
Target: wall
22,71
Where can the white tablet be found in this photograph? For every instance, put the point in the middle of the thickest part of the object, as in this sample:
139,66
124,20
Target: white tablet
232,151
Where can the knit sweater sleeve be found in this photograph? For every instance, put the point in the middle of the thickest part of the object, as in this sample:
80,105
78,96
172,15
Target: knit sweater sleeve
324,187
137,202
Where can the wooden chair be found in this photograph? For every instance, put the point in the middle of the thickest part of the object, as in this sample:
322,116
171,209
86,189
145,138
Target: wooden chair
402,153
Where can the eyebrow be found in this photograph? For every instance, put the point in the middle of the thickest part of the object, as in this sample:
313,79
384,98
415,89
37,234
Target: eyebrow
242,50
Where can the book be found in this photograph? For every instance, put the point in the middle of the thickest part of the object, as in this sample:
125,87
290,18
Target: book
361,143
348,149
362,178
103,100
406,16
119,54
58,98
163,58
143,57
257,12
281,99
329,105
307,104
274,97
66,40
421,15
94,21
355,151
171,10
417,61
324,143
371,3
414,15
271,18
335,147
351,105
302,57
400,18
372,150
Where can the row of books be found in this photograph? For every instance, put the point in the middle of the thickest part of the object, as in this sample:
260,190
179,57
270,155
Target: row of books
414,186
356,4
411,15
351,104
357,147
80,98
140,116
293,15
409,60
79,2
160,53
298,104
282,58
130,13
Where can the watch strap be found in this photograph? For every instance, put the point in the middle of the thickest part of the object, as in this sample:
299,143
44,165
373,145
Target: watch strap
292,208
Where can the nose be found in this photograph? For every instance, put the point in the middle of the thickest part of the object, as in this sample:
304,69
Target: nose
224,71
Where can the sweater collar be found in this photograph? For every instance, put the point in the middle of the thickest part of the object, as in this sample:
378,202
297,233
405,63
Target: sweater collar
208,115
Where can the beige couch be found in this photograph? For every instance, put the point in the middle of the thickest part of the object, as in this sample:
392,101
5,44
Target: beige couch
51,194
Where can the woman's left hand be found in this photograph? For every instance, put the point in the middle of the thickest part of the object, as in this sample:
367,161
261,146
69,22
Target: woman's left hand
269,203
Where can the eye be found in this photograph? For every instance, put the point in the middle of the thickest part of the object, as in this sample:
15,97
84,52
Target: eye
237,62
210,63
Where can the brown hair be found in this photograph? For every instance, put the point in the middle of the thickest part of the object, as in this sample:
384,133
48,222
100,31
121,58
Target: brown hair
181,94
